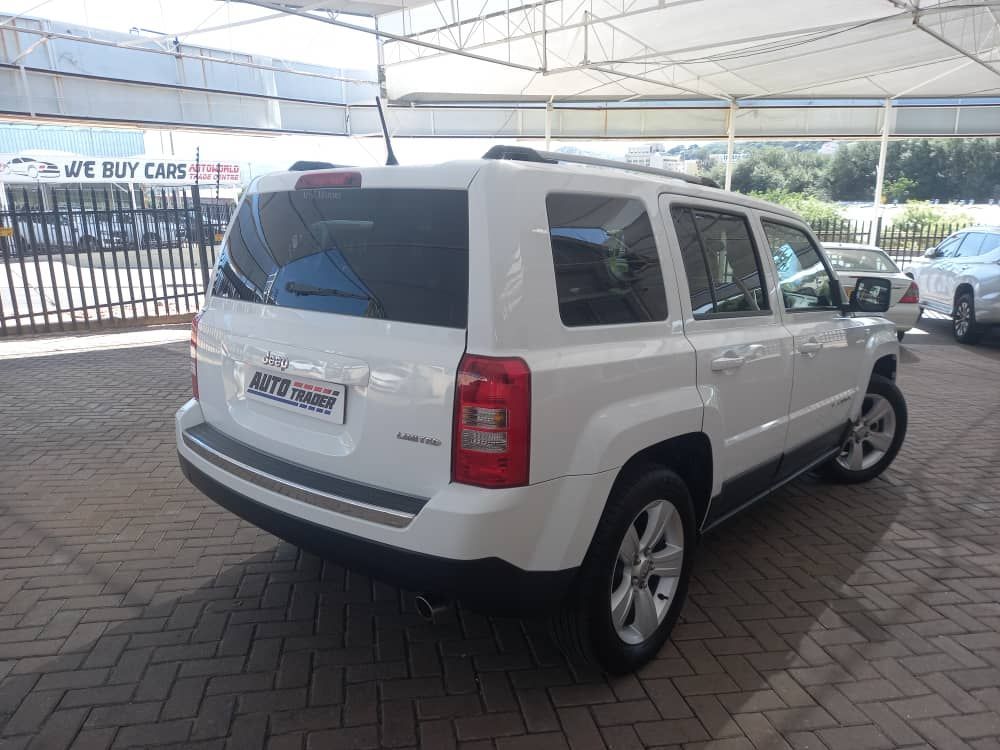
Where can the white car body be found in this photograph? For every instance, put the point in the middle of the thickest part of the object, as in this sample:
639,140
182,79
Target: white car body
754,400
903,314
965,263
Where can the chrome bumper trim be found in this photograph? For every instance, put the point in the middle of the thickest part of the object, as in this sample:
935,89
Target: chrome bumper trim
293,491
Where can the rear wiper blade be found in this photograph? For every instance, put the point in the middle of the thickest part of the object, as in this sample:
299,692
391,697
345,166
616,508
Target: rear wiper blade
374,309
321,291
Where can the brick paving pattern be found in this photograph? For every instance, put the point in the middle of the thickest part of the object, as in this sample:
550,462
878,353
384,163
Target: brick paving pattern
135,612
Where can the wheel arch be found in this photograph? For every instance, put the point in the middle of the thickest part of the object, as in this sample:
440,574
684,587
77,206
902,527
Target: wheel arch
689,456
961,289
886,366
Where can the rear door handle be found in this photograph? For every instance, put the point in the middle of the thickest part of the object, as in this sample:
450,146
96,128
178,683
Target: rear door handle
810,347
728,361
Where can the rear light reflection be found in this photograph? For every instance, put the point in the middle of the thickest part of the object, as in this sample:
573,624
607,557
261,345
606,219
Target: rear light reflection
194,354
491,444
328,180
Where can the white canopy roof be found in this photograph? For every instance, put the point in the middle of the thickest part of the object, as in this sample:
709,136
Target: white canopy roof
679,49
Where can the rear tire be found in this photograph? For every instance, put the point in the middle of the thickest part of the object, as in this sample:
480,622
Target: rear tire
875,439
964,325
623,611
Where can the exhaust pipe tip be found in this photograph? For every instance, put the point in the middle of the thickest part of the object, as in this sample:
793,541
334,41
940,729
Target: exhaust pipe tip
430,607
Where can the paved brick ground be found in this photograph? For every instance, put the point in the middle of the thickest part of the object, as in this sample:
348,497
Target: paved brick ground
135,612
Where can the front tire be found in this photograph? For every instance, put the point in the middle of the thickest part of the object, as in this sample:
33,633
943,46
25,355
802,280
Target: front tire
635,576
964,325
874,439
899,335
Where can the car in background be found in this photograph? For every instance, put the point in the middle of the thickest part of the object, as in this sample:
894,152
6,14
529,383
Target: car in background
853,261
28,167
961,278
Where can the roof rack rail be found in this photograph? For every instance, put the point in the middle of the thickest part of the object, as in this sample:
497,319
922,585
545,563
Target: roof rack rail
523,153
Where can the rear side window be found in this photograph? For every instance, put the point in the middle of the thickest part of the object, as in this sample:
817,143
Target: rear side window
398,255
990,243
606,262
972,245
720,262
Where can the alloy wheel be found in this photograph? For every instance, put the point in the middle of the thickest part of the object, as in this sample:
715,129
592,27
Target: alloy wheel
871,435
647,571
963,318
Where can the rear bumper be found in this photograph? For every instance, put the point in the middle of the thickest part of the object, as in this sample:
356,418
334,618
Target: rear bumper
904,315
503,550
486,584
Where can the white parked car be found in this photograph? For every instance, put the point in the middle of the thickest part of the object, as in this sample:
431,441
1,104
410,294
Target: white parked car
853,261
526,384
961,278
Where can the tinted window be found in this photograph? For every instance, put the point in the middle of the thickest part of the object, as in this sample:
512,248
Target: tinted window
805,283
606,263
971,245
720,262
391,254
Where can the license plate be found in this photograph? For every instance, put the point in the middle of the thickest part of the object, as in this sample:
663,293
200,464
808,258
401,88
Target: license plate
316,398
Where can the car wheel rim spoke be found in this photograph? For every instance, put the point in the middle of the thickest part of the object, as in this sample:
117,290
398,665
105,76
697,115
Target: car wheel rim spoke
855,456
647,571
657,517
668,561
880,441
630,546
646,617
879,410
621,602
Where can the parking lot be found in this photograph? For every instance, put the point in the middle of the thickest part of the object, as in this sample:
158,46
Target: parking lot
134,612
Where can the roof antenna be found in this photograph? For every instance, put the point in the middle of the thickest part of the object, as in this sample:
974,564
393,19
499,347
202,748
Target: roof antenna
390,157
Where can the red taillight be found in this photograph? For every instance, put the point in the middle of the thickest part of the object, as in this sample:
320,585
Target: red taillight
329,180
912,295
194,354
492,440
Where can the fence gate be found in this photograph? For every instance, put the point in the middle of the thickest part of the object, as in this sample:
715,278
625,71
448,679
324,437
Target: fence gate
81,257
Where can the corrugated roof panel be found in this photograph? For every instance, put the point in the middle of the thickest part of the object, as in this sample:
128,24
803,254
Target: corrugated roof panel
15,138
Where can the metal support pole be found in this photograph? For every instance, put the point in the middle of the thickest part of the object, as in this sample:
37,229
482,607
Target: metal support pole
380,71
548,124
199,223
731,141
880,172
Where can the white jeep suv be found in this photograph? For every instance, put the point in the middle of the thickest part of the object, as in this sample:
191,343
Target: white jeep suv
528,384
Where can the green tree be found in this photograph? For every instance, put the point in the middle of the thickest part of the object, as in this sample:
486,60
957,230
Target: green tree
779,169
814,210
919,215
899,189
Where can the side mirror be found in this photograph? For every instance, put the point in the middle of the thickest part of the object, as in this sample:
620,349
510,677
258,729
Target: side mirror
930,252
871,295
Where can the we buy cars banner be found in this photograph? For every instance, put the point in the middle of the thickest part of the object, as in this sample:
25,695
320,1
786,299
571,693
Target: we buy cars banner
23,168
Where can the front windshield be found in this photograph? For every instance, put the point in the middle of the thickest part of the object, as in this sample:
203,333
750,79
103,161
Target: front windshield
861,260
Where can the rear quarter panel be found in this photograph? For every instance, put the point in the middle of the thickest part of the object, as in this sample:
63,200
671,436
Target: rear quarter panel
600,394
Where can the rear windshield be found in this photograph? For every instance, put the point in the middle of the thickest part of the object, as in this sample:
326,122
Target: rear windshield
861,260
378,253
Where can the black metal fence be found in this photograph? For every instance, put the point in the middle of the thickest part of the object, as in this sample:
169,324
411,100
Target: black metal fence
85,257
902,243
